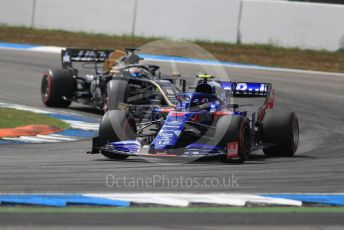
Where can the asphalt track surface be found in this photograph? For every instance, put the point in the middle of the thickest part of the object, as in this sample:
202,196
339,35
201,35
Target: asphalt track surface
173,221
318,100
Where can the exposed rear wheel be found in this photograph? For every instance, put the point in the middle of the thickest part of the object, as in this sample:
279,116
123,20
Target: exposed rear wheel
282,130
56,86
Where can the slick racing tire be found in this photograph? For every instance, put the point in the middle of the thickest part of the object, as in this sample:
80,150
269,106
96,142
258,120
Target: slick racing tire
116,90
57,85
282,130
234,129
116,125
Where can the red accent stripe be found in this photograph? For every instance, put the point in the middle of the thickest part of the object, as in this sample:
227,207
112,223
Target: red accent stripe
166,110
178,114
221,113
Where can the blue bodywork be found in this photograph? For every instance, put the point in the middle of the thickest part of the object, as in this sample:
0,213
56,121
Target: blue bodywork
245,88
193,108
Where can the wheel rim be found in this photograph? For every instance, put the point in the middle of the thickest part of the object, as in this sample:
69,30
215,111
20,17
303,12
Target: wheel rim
45,88
245,142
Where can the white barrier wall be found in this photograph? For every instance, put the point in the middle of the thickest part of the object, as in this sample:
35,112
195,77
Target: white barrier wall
282,23
102,16
16,12
215,20
291,24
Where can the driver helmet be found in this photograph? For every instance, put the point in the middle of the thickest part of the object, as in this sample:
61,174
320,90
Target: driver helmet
205,88
138,72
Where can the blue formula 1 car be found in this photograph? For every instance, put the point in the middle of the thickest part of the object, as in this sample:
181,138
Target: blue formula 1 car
204,123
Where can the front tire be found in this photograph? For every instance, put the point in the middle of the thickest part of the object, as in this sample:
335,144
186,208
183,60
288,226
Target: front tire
116,125
55,86
116,90
282,130
234,129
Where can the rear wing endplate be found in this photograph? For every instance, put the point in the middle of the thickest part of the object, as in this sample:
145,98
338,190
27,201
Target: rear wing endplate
70,55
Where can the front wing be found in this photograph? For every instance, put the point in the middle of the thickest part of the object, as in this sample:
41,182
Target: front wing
134,148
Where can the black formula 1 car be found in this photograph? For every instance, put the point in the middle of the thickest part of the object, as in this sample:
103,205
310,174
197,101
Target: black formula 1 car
107,79
204,124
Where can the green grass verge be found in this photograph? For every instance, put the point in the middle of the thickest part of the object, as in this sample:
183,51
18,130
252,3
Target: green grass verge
266,55
173,210
11,118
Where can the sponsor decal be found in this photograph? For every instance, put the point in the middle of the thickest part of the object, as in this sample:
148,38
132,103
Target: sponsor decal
251,87
232,150
177,132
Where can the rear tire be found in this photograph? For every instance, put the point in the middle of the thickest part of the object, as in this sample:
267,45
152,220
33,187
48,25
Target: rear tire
56,85
281,129
234,129
116,125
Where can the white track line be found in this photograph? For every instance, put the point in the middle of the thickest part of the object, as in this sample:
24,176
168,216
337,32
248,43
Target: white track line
25,108
185,199
82,125
30,139
54,137
143,199
47,49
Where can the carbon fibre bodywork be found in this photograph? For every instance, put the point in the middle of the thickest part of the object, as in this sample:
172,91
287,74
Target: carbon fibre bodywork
106,78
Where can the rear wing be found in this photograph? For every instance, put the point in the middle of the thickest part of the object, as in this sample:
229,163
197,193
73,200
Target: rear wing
252,89
70,55
247,89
